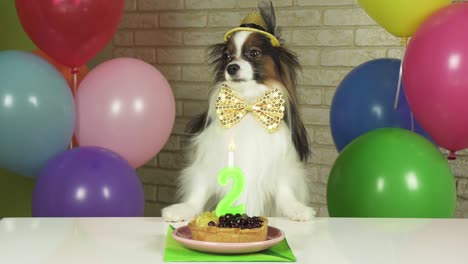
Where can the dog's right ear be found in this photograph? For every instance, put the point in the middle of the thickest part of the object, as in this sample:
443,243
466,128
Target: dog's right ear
196,125
216,60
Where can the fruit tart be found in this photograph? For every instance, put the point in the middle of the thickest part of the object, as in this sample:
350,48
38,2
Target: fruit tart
228,228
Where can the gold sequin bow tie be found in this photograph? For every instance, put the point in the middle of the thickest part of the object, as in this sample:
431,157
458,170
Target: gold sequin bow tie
231,108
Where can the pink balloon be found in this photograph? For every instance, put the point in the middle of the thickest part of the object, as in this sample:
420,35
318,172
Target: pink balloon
435,76
127,106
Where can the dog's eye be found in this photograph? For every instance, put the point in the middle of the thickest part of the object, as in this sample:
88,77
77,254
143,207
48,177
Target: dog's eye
254,53
226,56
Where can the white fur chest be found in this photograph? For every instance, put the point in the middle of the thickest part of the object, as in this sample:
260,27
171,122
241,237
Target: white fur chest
259,154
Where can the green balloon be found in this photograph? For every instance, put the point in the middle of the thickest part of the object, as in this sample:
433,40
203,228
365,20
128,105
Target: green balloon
12,35
391,172
15,194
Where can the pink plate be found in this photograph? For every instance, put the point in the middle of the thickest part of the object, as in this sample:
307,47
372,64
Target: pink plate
184,236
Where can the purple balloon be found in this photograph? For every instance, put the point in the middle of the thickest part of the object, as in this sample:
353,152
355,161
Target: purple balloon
88,182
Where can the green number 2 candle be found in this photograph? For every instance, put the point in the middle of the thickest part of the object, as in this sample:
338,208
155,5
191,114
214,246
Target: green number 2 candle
238,182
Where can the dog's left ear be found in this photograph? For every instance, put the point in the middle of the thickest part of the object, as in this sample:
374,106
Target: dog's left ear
288,68
299,134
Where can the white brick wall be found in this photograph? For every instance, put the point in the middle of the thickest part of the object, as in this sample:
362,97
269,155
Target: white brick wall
330,37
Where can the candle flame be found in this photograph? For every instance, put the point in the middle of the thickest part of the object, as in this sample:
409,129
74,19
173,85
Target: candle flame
232,146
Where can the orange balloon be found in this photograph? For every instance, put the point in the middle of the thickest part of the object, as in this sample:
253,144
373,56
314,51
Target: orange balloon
65,70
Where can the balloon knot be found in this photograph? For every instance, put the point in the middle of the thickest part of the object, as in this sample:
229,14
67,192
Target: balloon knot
74,70
452,155
404,41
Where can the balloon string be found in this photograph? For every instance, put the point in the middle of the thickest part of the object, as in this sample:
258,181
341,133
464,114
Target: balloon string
404,42
74,71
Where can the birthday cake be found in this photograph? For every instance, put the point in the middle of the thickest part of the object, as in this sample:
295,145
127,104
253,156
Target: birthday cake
228,228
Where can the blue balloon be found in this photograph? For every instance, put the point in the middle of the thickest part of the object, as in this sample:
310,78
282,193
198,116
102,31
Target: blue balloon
37,112
364,101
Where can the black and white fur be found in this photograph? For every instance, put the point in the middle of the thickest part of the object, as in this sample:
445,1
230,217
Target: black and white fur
276,183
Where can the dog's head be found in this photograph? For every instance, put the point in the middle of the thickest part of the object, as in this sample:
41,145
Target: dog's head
254,52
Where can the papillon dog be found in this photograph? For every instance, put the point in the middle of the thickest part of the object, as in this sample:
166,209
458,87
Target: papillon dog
253,107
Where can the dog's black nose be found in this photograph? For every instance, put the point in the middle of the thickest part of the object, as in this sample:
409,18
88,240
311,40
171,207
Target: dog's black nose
232,69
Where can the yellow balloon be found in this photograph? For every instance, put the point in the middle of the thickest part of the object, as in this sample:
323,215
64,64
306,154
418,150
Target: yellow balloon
401,17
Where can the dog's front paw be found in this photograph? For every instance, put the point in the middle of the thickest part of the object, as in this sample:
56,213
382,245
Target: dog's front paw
178,212
299,212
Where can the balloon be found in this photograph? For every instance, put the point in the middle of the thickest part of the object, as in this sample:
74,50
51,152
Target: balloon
88,182
64,70
391,172
12,34
364,101
127,106
37,113
70,31
435,76
15,194
401,17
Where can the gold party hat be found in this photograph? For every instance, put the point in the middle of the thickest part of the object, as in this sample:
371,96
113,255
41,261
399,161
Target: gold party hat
254,22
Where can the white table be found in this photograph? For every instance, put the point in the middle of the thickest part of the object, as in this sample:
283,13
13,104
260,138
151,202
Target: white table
323,240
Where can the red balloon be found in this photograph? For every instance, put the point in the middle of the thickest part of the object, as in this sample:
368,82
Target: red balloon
70,31
435,76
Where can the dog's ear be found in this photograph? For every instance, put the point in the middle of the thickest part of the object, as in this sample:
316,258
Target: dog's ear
288,67
299,134
215,59
197,124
